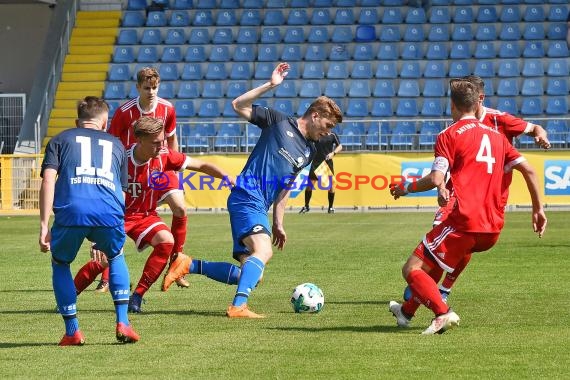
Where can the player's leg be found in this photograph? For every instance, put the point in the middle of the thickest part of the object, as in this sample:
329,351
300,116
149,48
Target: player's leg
103,285
450,278
87,274
65,244
309,191
223,272
331,191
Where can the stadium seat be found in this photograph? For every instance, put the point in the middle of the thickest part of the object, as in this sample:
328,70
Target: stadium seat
175,37
556,32
440,15
428,133
534,32
133,91
359,89
463,15
205,4
228,137
200,36
377,135
313,70
244,53
510,14
294,71
151,36
276,4
388,51
184,108
315,52
188,90
557,49
534,14
136,5
216,70
558,13
390,33
294,35
435,69
195,54
179,19
203,18
298,17
489,86
240,70
250,17
439,32
507,104
557,105
361,70
416,16
168,71
434,87
403,134
133,19
267,53
384,88
171,54
123,54
431,107
459,69
227,17
437,51
414,33
558,67
487,14
460,50
486,33
532,87
212,89
462,32
557,86
247,35
341,34
303,106
534,49
229,4
557,131
147,54
392,16
291,53
382,107
485,50
412,50
119,72
407,107
334,89
533,68
287,89
509,49
484,68
351,138
191,71
410,70
219,54
209,108
156,19
337,70
509,68
386,70
357,107
531,106
310,89
320,17
166,90
508,87
250,136
363,52
182,4
368,16
510,32
365,33
318,34
344,16
115,90
271,35
128,37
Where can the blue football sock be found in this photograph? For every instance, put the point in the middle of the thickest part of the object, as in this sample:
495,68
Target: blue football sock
250,274
119,287
65,296
219,271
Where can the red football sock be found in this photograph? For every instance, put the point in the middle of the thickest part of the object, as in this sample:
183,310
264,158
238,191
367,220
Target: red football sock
105,275
87,274
425,289
450,278
178,229
154,266
411,306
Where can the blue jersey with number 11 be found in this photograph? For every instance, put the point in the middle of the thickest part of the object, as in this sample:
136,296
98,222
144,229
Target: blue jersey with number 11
91,176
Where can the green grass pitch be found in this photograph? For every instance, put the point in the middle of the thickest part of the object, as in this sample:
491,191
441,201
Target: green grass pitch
513,303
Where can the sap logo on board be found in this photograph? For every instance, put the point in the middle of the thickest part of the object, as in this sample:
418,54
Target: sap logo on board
557,177
414,171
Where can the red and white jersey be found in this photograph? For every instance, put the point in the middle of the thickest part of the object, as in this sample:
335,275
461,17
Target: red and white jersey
476,156
147,180
126,115
505,123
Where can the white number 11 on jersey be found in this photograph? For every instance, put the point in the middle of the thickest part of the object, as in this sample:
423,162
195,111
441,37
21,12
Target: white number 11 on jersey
86,168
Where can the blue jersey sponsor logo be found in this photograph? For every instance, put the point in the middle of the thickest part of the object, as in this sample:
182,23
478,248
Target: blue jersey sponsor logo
557,177
415,170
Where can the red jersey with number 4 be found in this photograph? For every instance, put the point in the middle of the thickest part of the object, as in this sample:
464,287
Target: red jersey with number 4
126,115
476,156
148,179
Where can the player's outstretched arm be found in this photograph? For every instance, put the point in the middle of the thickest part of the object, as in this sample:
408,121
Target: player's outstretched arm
210,169
278,230
47,190
539,220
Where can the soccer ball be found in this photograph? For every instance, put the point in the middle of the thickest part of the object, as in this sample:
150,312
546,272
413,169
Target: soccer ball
307,298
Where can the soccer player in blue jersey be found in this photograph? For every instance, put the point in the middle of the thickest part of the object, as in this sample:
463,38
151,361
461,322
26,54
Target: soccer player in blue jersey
84,174
285,147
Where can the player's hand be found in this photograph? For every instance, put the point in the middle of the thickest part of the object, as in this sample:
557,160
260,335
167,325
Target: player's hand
279,73
398,190
97,255
44,239
539,222
329,156
279,237
232,180
442,197
542,141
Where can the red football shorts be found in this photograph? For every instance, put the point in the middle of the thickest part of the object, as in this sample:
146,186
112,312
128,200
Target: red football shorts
443,212
445,246
142,228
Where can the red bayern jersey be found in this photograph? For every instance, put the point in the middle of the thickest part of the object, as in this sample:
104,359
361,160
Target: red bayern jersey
148,179
477,157
126,115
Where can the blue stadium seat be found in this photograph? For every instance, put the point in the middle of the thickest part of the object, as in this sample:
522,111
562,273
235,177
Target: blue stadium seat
320,17
489,88
205,4
533,68
337,70
508,87
318,34
199,36
244,53
240,70
509,68
532,87
510,14
440,15
359,89
459,69
315,52
314,70
303,106
463,15
184,108
486,33
484,50
412,50
276,3
267,53
557,131
310,89
414,33
437,50
334,89
115,90
534,14
403,134
392,16
341,34
270,35
250,136
435,69
431,107
410,70
235,89
382,107
460,50
119,72
368,16
377,135
136,5
250,17
195,54
462,32
179,19
439,32
487,14
556,31
175,37
133,91
534,32
147,54
386,70
509,49
558,13
182,4
344,16
227,17
212,89
428,133
416,16
171,54
558,68
228,137
534,49
510,32
384,88
388,51
209,108
484,68
361,70
408,88
123,54
197,138
229,4
133,19
294,35
219,54
156,19
557,86
188,90
128,37
557,49
298,17
351,138
247,35
557,105
531,106
203,18
363,52
151,37
507,104
407,107
168,71
294,70
316,3
287,89
390,33
346,3
434,87
191,71
216,70
166,90
365,33
291,53
357,107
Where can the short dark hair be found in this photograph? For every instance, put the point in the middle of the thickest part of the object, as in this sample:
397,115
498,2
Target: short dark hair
91,107
464,95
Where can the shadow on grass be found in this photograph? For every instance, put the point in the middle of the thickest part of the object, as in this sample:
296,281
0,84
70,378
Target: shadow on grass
26,290
378,302
358,329
26,344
